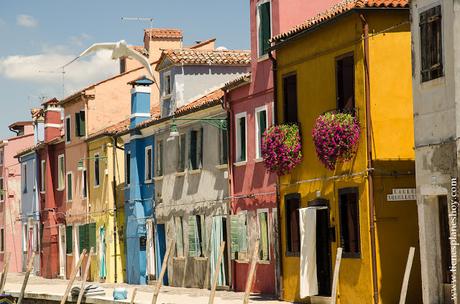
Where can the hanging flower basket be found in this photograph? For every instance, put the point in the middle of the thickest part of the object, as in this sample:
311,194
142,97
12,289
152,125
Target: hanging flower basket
336,138
281,148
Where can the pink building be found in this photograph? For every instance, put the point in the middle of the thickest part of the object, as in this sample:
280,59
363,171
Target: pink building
250,103
10,193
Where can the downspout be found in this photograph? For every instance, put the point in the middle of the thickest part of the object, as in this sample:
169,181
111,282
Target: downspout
278,199
114,189
369,158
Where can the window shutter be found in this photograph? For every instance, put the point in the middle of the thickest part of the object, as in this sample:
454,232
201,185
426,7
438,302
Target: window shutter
201,149
82,124
83,237
92,235
68,239
235,235
263,230
193,149
265,28
77,124
193,238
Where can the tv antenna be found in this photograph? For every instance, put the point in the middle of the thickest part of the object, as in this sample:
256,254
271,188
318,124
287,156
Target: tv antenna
142,19
56,72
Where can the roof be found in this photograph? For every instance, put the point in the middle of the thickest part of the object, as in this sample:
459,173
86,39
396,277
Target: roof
339,9
50,101
215,57
202,43
208,100
163,33
140,49
25,151
243,79
20,124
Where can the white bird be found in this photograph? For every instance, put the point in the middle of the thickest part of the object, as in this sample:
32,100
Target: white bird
119,49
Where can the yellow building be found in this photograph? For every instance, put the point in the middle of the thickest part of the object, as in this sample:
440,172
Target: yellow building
105,186
321,67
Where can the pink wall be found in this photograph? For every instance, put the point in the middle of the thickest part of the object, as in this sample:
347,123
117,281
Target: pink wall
11,207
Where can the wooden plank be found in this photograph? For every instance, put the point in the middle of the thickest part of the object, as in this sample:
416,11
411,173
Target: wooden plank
156,292
216,273
252,273
133,296
405,284
6,267
85,276
72,277
30,265
335,279
185,270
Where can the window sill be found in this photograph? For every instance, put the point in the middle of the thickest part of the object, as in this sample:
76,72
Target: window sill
261,58
222,167
60,189
264,262
239,164
68,201
194,172
178,174
242,261
292,254
259,160
42,192
95,187
148,181
158,178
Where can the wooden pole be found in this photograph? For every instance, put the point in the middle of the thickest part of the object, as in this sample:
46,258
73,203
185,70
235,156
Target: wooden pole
72,276
156,292
133,295
216,273
6,267
335,280
30,265
252,272
405,284
85,276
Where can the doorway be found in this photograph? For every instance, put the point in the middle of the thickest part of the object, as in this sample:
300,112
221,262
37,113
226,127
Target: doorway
160,242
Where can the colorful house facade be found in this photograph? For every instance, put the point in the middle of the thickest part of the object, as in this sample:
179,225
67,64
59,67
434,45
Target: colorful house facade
10,194
327,67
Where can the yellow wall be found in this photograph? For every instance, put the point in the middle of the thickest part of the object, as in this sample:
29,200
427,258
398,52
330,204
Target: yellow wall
102,206
312,58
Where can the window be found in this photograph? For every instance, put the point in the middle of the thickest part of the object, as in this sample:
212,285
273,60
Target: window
128,168
345,75
349,222
68,240
24,178
2,190
240,137
167,84
264,237
181,153
179,236
195,236
159,163
42,175
87,236
61,170
2,240
444,232
1,157
148,163
264,26
290,99
80,129
97,169
84,186
166,107
67,129
292,205
196,149
239,235
69,186
223,147
431,44
261,126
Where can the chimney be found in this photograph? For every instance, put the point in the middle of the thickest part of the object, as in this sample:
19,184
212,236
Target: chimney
158,39
53,119
140,100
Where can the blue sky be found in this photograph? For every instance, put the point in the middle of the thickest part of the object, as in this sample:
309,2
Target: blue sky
43,35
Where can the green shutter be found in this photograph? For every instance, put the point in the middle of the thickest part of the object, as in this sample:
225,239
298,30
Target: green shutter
201,148
193,238
83,237
82,123
92,235
193,150
77,124
265,28
68,239
264,245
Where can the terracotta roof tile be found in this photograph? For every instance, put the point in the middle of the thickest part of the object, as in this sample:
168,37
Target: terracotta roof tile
140,49
338,9
212,98
243,79
163,33
217,57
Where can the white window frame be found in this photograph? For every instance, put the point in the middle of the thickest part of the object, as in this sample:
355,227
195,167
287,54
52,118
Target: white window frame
238,137
62,186
84,185
148,165
68,120
259,211
167,74
98,157
259,3
2,190
42,176
257,137
67,186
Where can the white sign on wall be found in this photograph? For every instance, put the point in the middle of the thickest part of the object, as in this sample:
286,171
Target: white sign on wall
403,194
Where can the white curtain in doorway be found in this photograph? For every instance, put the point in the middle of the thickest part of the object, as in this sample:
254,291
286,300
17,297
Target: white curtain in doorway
150,249
308,272
102,266
217,236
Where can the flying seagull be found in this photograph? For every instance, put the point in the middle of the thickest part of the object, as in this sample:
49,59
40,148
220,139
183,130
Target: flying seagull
119,49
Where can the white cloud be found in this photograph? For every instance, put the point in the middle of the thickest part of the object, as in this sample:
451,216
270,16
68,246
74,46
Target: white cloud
79,39
26,21
43,69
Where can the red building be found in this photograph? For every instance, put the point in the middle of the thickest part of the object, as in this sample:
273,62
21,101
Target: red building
51,186
250,103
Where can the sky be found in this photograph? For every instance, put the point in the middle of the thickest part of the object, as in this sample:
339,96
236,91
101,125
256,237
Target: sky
39,36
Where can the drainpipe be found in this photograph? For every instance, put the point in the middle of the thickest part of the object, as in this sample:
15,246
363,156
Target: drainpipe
278,199
369,158
114,189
